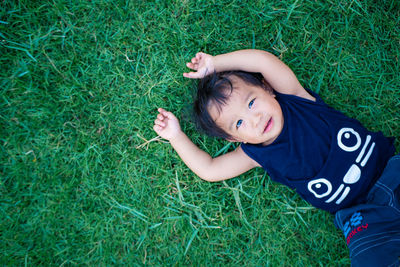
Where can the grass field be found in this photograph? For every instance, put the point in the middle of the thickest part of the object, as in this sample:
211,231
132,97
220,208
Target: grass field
84,181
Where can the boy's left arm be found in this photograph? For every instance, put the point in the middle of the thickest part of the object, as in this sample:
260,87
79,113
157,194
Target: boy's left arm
277,73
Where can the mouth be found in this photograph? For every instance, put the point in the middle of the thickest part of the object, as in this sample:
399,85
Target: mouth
269,125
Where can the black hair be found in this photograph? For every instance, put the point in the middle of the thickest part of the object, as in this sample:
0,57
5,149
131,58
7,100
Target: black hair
216,89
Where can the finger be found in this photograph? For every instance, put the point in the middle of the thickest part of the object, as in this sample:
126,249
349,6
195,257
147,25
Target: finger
170,116
159,123
191,66
199,55
161,110
157,129
160,117
191,75
195,60
165,113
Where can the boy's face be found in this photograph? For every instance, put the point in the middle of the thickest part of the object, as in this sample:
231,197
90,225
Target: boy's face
251,114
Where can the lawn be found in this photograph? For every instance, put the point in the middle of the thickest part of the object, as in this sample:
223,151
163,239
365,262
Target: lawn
86,181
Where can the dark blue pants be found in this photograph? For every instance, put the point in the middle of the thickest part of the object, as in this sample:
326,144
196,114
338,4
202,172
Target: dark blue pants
372,230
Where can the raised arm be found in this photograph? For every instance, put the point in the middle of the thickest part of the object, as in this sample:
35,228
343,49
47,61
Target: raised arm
277,73
211,169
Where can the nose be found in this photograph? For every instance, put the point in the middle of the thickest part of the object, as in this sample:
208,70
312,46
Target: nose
255,119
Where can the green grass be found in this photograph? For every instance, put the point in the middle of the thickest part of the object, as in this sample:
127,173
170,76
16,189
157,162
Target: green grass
80,84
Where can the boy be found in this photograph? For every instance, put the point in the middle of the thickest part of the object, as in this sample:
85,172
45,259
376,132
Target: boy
331,160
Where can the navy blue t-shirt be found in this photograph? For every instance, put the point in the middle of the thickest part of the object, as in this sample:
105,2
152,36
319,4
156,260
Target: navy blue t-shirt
330,159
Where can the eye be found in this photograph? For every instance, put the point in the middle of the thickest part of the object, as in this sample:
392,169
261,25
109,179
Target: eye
251,103
239,122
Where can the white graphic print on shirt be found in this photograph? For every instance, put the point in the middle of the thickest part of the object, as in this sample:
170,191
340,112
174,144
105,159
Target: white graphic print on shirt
354,172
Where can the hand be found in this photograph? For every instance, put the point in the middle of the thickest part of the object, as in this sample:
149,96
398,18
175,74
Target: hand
203,65
167,125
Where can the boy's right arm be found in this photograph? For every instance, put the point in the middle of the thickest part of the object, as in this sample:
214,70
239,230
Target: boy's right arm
211,169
